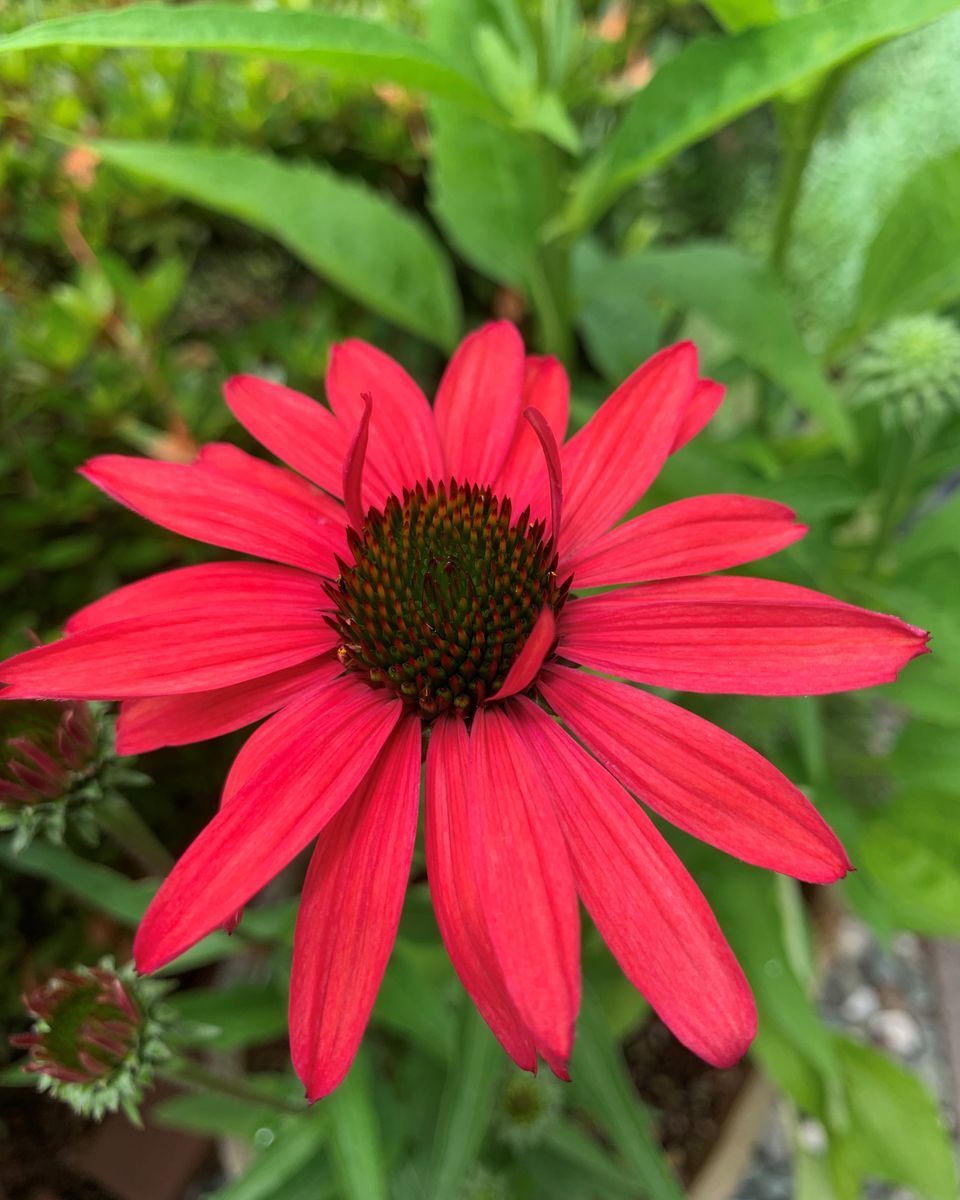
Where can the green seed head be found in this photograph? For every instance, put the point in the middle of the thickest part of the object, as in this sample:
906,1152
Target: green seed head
911,368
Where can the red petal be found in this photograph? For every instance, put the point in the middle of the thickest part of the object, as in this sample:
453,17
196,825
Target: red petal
478,403
353,465
706,399
328,744
647,908
689,537
205,502
530,659
246,468
739,636
697,776
612,461
526,885
404,445
349,912
191,650
524,474
453,888
230,584
178,720
298,430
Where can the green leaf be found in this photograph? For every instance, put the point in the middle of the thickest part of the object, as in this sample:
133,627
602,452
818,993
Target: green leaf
618,323
466,1106
936,533
375,251
714,80
126,900
271,1175
367,51
742,14
157,292
913,264
101,887
927,756
827,1176
245,1014
895,1127
928,690
912,850
571,1147
355,1135
414,997
600,1084
739,297
214,1116
491,190
751,914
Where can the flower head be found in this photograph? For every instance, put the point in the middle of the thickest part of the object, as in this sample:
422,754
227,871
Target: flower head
910,367
440,574
49,763
96,1038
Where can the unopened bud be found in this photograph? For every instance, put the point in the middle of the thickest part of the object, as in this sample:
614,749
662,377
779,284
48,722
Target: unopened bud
96,1038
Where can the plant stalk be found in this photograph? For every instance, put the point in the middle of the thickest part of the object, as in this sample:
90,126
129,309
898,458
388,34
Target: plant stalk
120,820
190,1074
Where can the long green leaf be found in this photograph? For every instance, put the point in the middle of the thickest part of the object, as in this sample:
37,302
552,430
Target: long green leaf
741,14
896,1130
746,904
101,887
244,1014
272,1174
490,192
913,264
714,80
601,1085
911,849
126,900
355,1136
364,243
493,189
345,46
466,1107
736,294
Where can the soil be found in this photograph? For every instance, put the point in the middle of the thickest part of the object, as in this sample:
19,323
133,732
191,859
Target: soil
690,1099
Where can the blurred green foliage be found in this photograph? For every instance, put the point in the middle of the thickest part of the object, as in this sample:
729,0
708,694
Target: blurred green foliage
800,227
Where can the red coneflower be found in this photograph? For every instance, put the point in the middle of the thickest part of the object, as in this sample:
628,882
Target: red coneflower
411,594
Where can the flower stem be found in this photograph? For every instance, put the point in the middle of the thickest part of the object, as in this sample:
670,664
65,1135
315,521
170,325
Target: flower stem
120,820
189,1074
901,457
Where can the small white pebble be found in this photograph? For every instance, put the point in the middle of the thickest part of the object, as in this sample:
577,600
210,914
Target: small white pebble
812,1137
853,939
907,945
897,1031
862,1002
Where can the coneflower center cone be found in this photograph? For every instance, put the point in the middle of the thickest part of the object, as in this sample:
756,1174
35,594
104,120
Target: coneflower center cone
442,593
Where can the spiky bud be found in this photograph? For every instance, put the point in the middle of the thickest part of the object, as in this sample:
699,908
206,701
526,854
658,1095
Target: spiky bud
528,1106
910,368
57,763
96,1038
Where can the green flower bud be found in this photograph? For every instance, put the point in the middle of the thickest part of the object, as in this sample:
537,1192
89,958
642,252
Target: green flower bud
910,368
96,1038
527,1106
57,762
483,1184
